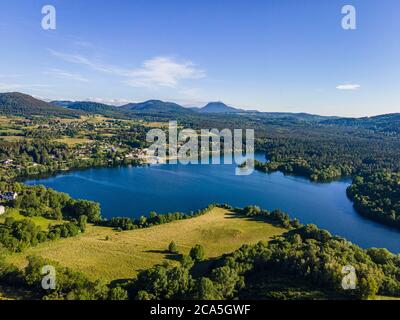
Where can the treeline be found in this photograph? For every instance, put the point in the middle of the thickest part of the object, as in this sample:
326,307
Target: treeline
311,258
125,223
276,217
377,196
302,168
69,285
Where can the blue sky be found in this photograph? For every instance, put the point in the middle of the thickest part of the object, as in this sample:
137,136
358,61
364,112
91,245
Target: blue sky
270,55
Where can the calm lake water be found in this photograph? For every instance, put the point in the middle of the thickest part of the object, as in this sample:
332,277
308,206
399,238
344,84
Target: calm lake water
131,191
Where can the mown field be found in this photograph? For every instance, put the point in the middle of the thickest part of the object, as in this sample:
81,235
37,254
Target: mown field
103,253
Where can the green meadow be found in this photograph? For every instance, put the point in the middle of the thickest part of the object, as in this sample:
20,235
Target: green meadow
103,253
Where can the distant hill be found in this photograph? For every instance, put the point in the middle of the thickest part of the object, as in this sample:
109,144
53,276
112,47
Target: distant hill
19,104
300,116
219,107
222,108
156,107
62,103
385,123
93,108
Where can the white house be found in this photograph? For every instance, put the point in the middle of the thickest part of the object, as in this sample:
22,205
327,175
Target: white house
2,210
8,196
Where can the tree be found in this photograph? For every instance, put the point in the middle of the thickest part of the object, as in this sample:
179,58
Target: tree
83,207
227,280
206,290
118,293
153,214
142,221
82,223
197,252
172,248
186,262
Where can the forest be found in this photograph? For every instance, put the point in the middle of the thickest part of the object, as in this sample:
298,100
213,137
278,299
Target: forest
377,196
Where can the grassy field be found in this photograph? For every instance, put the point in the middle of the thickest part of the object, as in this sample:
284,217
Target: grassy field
125,253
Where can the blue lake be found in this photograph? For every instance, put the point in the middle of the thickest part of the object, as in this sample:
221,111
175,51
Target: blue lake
135,191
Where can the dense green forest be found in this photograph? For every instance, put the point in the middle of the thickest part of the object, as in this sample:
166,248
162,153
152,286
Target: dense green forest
377,196
70,285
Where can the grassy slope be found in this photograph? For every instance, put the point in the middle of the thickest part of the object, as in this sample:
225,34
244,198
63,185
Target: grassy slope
125,253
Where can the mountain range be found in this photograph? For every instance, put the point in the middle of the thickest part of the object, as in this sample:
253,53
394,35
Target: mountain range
15,103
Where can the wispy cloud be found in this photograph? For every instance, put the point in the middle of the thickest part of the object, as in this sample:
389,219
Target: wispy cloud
155,72
19,86
84,44
65,75
10,75
348,86
78,59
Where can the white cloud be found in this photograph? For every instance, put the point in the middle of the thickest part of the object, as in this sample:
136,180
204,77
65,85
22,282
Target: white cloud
114,102
156,72
66,75
165,72
348,86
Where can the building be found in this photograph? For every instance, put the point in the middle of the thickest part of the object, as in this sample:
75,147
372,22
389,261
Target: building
8,196
2,210
8,161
